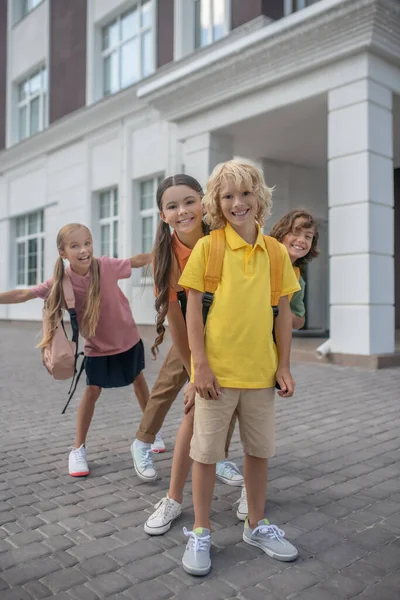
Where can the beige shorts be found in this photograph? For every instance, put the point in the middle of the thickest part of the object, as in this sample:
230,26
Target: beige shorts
255,410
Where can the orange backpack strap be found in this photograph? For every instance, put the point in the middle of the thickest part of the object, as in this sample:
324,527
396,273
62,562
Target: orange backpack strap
275,261
212,276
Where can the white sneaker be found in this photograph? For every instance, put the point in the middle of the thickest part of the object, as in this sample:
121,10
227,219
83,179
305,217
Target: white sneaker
243,508
167,510
143,462
158,447
229,473
77,465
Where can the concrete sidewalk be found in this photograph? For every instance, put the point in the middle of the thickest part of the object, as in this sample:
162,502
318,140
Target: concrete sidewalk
334,488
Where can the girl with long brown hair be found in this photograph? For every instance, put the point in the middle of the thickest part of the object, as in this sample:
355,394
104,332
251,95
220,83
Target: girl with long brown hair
114,354
179,203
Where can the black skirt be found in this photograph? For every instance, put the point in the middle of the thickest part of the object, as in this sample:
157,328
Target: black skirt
117,370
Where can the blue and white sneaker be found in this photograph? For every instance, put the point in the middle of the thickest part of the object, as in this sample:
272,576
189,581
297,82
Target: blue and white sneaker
229,473
270,539
143,461
196,559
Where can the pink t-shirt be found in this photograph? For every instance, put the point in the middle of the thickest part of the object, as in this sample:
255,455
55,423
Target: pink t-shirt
116,331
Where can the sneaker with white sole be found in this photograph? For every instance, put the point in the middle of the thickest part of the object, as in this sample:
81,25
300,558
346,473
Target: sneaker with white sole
167,510
243,509
196,559
229,473
143,462
77,465
270,539
158,446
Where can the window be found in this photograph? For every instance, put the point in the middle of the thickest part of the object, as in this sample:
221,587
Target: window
28,5
295,5
149,213
29,230
109,223
127,48
21,8
209,21
32,104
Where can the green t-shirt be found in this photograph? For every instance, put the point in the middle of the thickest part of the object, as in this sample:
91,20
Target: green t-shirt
297,302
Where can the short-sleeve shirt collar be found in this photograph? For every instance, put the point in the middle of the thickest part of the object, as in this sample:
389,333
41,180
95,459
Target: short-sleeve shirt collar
235,241
180,249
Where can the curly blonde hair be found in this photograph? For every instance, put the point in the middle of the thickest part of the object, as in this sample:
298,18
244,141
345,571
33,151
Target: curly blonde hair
245,177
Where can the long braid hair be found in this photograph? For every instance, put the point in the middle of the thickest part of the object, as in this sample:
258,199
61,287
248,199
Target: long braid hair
163,258
56,302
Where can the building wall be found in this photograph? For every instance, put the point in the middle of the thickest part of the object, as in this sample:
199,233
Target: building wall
3,71
67,54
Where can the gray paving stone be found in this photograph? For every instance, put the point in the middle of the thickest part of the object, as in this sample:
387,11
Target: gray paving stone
98,565
110,583
64,579
148,568
22,554
345,587
340,444
37,590
33,570
16,594
132,552
149,589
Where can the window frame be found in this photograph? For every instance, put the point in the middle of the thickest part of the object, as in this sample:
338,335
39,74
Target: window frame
25,103
210,30
116,48
25,239
144,213
110,220
23,8
289,7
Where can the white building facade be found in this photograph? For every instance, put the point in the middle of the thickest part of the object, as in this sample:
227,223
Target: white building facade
309,91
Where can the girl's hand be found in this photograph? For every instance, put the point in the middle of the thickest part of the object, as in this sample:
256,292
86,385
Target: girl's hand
189,394
206,383
286,382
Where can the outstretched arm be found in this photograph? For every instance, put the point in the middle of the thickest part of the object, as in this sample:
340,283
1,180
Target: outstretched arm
16,296
141,260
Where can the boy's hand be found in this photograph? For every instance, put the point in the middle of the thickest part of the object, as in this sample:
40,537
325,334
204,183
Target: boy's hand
206,383
189,394
286,382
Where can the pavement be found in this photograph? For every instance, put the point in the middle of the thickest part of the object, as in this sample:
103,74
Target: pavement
334,487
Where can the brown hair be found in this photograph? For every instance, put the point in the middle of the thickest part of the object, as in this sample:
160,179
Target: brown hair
285,225
56,301
163,257
245,176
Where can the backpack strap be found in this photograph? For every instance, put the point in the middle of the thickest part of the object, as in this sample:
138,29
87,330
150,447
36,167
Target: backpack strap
212,276
275,261
69,295
75,379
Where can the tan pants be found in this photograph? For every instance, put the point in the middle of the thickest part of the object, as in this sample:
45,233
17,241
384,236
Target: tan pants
170,381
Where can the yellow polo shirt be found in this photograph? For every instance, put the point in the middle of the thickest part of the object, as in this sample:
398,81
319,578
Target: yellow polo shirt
238,335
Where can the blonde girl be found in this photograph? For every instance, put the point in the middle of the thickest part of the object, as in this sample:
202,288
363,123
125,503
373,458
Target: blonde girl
114,354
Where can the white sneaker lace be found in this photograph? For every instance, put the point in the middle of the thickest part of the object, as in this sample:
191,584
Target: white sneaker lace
243,497
230,468
200,543
80,456
146,459
163,507
271,531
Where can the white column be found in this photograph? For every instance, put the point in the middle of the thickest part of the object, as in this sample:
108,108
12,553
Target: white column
361,239
201,153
